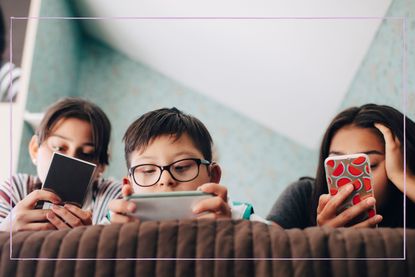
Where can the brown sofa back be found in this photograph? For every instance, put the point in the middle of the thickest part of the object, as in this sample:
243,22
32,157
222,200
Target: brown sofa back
239,248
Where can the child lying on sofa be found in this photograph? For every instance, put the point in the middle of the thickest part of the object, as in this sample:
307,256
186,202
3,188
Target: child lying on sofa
157,146
378,131
74,127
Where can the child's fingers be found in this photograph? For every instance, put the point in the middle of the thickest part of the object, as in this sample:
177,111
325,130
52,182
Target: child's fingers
56,221
69,218
119,208
209,215
338,199
85,216
37,226
370,222
390,139
120,218
216,189
31,216
328,205
210,204
32,198
122,206
386,132
214,204
322,201
349,214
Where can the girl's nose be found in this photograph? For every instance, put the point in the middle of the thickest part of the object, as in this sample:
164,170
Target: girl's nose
71,153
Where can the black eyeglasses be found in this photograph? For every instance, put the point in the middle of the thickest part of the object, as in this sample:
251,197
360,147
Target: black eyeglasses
185,170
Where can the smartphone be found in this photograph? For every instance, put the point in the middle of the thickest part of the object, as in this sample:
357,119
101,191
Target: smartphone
69,178
166,205
355,169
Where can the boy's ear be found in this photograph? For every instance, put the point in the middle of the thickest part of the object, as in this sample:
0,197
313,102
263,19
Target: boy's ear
33,148
215,173
126,181
127,187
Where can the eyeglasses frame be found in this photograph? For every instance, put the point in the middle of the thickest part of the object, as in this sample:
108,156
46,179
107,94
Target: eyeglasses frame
167,168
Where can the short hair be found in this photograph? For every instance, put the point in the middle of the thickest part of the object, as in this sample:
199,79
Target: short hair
365,117
166,121
84,110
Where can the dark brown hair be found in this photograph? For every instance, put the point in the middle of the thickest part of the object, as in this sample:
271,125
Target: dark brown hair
84,110
166,122
365,117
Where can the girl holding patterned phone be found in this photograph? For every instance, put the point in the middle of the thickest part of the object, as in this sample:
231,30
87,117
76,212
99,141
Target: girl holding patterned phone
378,132
351,169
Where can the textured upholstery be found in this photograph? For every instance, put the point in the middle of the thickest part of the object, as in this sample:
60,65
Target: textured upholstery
224,240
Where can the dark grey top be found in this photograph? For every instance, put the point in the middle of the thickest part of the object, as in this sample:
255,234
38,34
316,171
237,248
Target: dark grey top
292,208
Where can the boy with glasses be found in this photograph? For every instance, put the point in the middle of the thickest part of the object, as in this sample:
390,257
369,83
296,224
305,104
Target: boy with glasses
167,150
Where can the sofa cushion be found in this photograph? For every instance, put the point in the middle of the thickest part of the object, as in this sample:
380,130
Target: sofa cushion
208,248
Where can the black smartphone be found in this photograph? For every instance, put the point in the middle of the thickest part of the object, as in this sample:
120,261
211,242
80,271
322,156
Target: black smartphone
69,178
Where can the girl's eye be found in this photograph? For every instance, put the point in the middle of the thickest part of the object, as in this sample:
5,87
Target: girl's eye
87,155
373,166
57,148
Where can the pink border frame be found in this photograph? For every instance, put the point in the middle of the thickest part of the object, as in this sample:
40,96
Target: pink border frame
404,91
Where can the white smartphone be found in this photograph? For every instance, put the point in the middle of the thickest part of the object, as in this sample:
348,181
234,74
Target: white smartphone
166,205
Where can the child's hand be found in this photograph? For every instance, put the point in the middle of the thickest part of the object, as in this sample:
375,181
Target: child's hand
217,207
68,216
25,217
328,205
393,155
120,207
394,162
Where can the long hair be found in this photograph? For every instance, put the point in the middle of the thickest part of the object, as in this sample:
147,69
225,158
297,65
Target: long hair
365,117
81,109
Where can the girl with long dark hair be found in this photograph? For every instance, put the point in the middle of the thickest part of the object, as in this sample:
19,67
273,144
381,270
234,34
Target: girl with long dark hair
378,131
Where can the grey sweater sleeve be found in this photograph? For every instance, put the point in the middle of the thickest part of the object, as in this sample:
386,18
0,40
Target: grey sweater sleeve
291,210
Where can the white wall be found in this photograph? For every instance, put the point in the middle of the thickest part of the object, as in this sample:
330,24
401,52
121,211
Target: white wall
288,74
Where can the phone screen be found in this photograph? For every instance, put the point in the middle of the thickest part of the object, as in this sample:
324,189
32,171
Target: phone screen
69,178
355,169
167,205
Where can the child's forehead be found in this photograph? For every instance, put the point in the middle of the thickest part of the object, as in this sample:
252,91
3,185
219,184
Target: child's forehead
66,120
167,145
67,124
